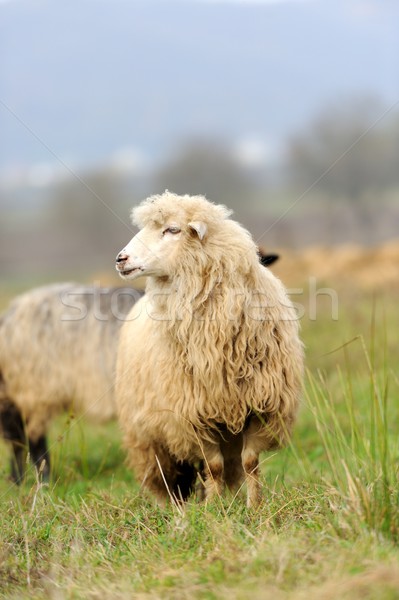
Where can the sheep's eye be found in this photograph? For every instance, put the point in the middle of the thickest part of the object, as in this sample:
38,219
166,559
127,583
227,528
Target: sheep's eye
171,230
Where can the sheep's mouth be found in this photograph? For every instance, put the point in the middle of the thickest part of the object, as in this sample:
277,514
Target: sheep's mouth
127,272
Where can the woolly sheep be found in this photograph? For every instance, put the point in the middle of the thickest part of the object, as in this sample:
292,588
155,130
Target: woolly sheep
215,375
57,352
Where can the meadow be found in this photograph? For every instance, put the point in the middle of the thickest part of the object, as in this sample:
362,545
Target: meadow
328,527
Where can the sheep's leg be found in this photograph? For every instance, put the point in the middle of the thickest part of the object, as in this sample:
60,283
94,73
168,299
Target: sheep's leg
213,469
155,469
186,475
17,463
252,446
231,446
13,430
40,457
199,487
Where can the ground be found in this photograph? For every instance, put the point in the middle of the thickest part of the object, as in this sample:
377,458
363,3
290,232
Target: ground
328,527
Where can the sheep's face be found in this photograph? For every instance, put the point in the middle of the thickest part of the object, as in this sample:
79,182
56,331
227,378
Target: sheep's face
155,249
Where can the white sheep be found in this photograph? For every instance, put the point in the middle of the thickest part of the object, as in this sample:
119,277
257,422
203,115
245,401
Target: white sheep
57,352
211,369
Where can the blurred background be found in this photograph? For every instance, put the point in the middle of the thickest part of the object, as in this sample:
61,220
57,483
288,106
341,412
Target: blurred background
286,111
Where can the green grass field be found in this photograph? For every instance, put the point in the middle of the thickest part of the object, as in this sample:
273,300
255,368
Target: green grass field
328,528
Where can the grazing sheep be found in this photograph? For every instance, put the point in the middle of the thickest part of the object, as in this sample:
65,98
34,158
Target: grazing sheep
57,352
216,373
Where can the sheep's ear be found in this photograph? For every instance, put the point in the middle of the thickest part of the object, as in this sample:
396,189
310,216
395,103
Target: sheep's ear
268,259
199,227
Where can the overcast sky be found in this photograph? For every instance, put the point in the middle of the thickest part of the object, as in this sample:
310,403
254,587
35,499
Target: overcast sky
90,80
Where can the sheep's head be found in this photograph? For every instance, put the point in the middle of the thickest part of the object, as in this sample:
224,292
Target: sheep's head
168,224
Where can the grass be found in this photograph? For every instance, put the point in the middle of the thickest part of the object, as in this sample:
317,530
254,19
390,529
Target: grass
329,526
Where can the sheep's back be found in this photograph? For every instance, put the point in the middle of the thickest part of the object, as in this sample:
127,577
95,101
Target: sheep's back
58,346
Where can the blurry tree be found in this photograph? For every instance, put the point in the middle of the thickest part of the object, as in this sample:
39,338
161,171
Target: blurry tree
91,217
352,148
207,167
82,203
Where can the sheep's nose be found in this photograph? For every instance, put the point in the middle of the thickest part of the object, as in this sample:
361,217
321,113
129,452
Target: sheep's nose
122,257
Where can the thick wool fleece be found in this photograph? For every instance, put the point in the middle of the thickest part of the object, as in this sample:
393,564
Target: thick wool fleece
211,344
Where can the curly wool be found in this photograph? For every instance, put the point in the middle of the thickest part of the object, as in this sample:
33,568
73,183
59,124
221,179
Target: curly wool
218,341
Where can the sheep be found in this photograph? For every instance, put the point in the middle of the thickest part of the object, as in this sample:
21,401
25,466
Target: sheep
215,375
57,351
